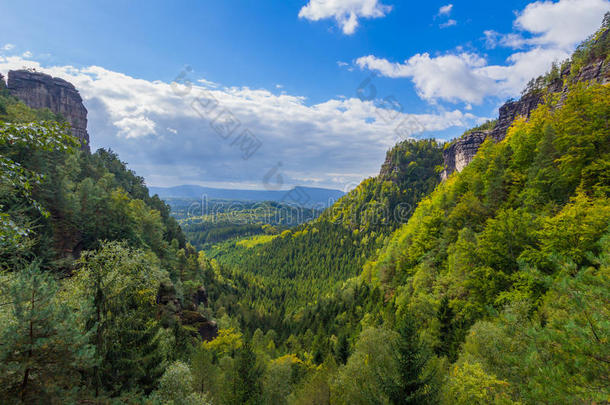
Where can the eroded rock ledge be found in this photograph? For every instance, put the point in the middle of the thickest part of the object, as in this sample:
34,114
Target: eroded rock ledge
461,152
39,90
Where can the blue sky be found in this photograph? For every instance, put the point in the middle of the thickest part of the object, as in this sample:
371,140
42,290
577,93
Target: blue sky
288,72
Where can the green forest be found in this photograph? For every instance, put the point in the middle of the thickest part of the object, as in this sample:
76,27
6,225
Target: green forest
208,222
490,287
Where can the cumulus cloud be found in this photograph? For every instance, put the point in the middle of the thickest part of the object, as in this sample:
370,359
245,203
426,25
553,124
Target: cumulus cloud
451,77
345,12
153,126
135,126
562,24
445,10
520,68
8,47
27,54
546,31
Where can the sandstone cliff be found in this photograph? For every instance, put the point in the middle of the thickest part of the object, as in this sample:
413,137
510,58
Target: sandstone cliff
39,90
462,150
459,153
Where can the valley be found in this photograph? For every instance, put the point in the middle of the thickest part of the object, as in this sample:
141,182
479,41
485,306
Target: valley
472,271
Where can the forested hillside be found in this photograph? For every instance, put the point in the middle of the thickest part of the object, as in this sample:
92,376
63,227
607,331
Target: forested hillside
309,260
85,254
494,291
490,287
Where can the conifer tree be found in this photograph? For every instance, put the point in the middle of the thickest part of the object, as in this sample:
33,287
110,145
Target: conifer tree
342,349
447,345
42,346
122,284
248,388
414,384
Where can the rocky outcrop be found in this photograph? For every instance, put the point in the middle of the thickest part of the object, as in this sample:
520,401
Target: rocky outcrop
390,167
39,90
199,297
598,71
174,311
510,111
206,329
461,151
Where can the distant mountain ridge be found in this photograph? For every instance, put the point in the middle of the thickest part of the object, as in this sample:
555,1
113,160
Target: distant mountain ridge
303,196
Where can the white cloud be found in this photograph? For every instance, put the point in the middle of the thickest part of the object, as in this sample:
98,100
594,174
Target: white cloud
345,12
135,126
521,67
512,40
548,31
451,77
208,83
445,10
492,38
8,47
157,131
345,65
562,24
27,54
451,22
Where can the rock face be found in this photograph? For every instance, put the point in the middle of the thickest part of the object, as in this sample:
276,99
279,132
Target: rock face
390,167
185,312
511,110
597,71
39,90
199,297
461,152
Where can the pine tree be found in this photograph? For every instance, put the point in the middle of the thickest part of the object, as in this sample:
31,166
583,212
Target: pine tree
122,284
413,385
202,369
447,345
42,347
342,349
248,387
